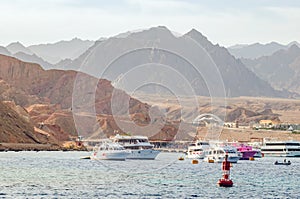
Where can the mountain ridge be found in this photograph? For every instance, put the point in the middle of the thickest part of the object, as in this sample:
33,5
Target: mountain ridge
256,50
281,69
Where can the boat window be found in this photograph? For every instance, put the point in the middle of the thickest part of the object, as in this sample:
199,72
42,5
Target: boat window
283,144
143,140
275,144
229,151
294,149
198,150
202,143
271,149
292,144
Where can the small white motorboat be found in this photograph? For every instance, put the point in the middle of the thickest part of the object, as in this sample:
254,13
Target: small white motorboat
108,150
217,154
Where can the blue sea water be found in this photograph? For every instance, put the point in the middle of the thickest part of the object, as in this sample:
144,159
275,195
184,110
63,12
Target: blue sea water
65,175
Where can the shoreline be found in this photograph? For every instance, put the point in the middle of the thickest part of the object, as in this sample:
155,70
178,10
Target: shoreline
4,147
227,134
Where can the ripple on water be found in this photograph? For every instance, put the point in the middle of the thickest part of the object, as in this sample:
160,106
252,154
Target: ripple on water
64,175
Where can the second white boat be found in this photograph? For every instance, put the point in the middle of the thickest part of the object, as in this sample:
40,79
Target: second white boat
139,147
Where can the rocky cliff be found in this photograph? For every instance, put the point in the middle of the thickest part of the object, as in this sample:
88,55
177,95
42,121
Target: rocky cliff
47,97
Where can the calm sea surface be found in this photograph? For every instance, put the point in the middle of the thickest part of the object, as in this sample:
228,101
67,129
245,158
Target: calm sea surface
65,175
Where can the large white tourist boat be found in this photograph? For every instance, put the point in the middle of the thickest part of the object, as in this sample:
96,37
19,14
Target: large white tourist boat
108,150
196,149
217,154
281,148
139,146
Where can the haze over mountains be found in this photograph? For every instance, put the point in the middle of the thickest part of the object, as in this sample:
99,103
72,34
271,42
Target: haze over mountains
233,73
54,53
281,69
47,55
257,50
245,77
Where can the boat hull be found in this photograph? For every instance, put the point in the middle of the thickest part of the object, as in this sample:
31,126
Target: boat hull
281,148
225,183
196,156
233,159
143,154
246,155
258,154
276,154
111,155
282,163
219,159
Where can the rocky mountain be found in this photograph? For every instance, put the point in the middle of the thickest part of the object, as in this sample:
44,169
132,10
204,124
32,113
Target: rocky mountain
50,99
245,116
33,59
238,80
20,52
47,55
257,50
56,52
188,59
4,51
20,97
16,47
281,69
69,64
17,130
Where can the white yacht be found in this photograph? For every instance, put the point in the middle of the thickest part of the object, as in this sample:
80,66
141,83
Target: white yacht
196,149
139,146
107,150
281,148
217,154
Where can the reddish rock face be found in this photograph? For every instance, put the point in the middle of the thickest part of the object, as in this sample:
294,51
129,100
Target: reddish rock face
14,128
47,96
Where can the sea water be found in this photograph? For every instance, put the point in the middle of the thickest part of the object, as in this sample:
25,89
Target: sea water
65,175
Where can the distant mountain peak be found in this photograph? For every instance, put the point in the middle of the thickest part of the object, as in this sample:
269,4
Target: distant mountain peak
256,50
152,33
17,43
199,38
65,49
76,39
294,43
158,29
162,27
4,51
195,32
294,48
16,47
272,43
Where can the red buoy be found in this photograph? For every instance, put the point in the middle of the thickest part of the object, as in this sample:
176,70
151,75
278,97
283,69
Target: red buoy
225,181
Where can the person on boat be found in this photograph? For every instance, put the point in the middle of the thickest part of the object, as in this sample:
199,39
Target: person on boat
284,160
276,162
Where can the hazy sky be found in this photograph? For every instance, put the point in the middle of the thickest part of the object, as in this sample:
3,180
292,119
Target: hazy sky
226,22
